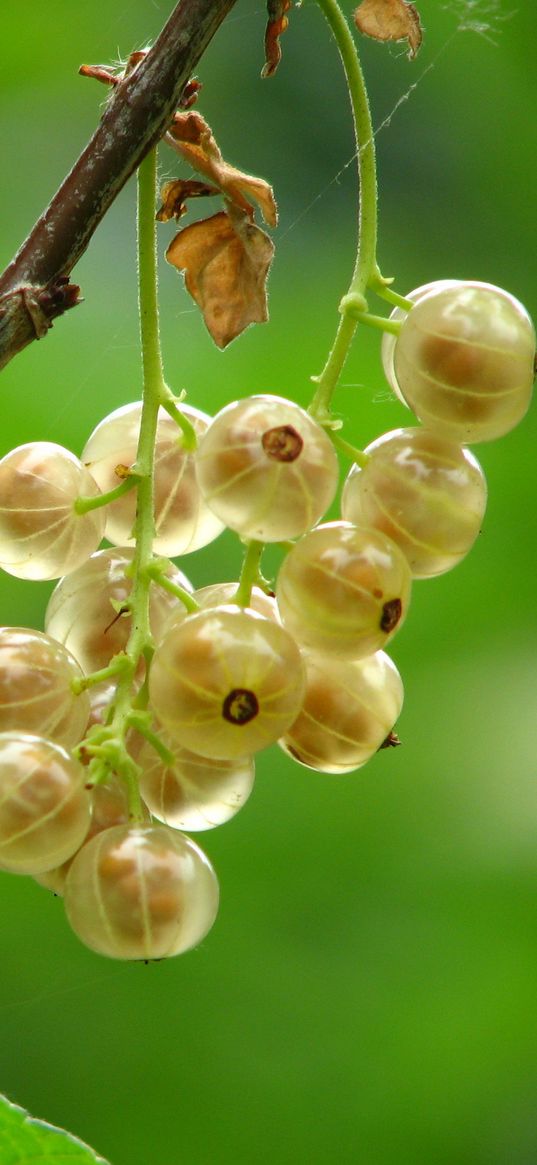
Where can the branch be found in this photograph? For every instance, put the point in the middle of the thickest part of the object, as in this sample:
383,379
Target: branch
35,287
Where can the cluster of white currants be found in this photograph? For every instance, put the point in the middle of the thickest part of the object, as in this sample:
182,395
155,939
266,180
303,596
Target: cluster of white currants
230,672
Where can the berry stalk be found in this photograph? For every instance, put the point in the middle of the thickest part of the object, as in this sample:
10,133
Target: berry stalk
366,274
108,744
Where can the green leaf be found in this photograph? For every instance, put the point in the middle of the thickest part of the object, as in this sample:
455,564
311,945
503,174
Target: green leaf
25,1140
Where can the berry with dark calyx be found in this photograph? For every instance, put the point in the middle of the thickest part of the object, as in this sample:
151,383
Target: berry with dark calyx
343,590
141,892
426,493
349,708
266,468
226,682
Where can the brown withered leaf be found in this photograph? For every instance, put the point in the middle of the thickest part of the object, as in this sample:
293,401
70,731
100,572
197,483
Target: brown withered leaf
191,137
390,20
276,24
226,260
175,193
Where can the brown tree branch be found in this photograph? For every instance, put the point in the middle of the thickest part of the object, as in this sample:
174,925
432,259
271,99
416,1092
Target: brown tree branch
35,287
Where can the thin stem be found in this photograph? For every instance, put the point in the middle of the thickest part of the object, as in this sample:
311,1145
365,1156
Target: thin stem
153,382
108,746
190,440
392,297
366,274
157,574
356,455
140,724
249,573
381,323
83,505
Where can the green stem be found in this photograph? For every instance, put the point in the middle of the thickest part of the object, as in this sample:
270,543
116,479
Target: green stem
84,504
140,724
366,272
153,388
249,573
356,455
190,440
393,298
381,323
108,746
157,574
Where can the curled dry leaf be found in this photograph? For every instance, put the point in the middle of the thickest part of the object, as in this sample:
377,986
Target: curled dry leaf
276,24
226,260
175,193
390,20
191,137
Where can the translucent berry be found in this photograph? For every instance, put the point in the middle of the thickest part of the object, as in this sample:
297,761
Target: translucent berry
226,682
223,594
36,696
267,469
387,347
464,361
101,698
88,610
183,522
349,711
44,807
194,792
109,806
343,590
426,493
141,893
41,534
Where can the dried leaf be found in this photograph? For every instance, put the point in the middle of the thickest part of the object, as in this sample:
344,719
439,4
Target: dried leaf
390,20
277,23
175,193
226,261
191,137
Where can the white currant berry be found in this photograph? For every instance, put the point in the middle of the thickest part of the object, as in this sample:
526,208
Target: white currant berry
193,792
44,806
226,682
36,696
343,590
464,361
266,468
426,493
145,892
183,522
89,609
223,594
109,806
41,534
387,347
349,711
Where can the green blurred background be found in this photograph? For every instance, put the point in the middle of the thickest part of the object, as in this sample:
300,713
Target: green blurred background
369,992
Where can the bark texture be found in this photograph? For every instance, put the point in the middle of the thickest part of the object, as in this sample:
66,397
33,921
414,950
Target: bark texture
35,288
